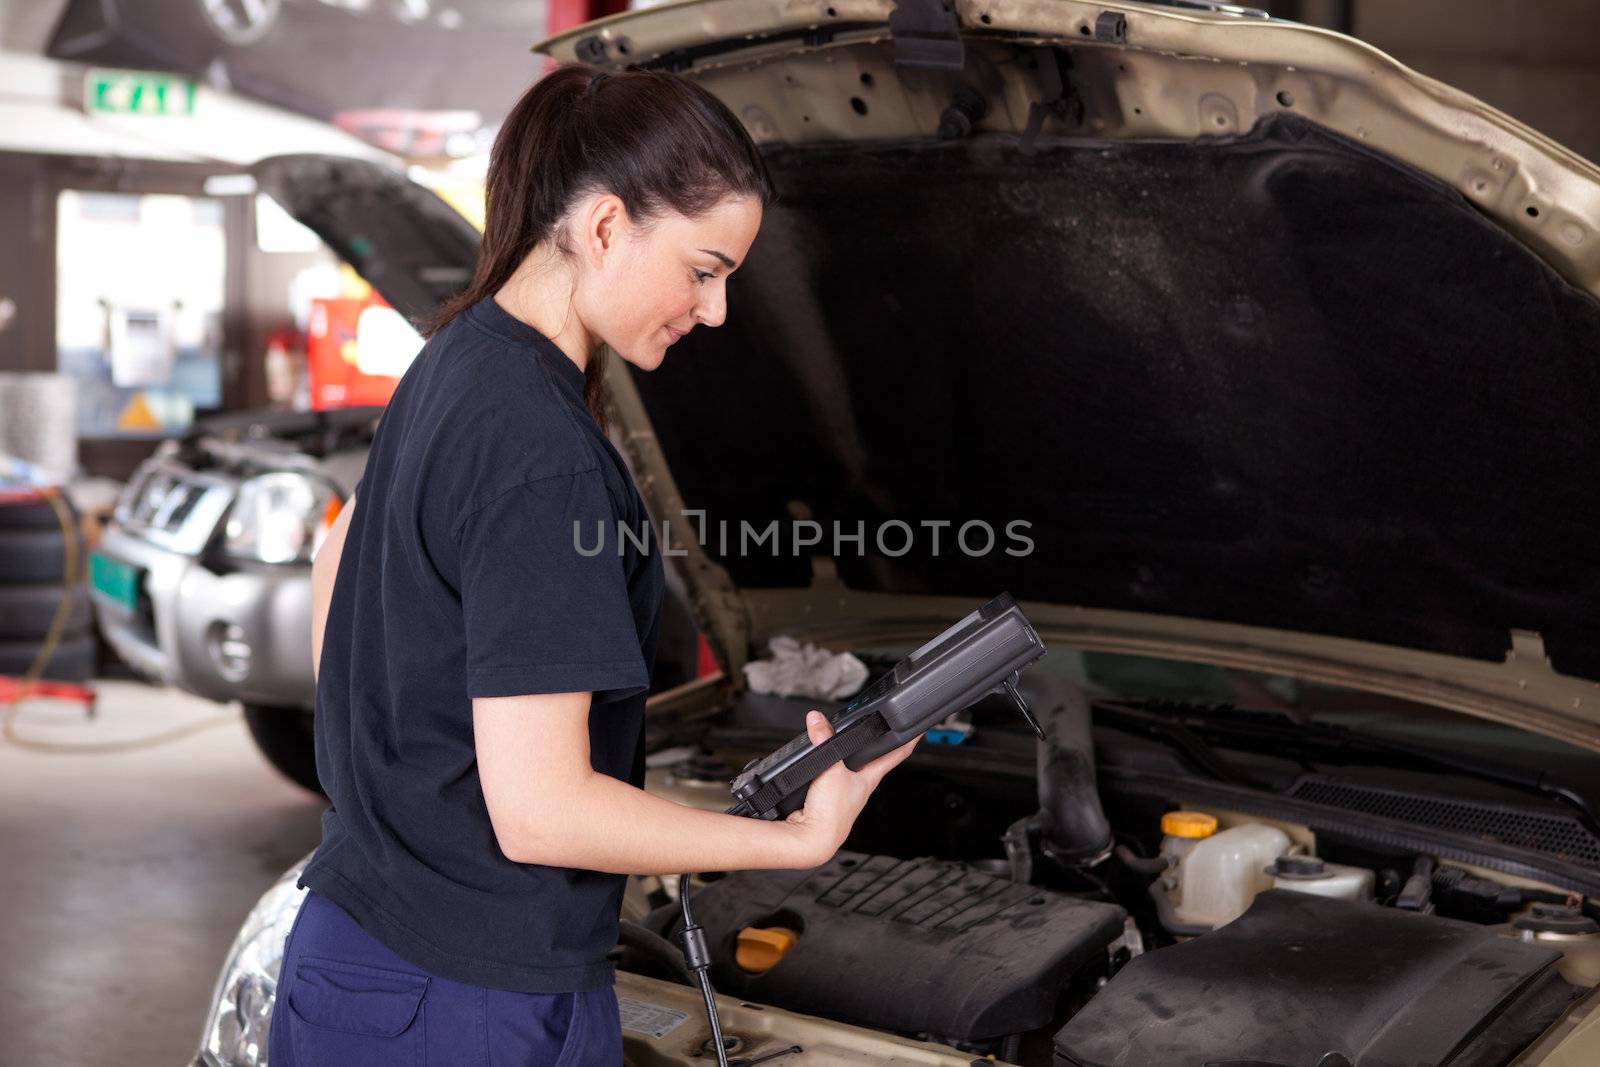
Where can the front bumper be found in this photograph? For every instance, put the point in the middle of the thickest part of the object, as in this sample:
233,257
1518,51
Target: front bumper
244,635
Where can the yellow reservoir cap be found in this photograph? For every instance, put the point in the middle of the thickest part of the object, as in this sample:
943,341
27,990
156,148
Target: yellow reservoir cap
760,947
1188,824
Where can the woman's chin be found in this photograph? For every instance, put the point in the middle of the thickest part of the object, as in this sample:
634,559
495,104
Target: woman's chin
648,358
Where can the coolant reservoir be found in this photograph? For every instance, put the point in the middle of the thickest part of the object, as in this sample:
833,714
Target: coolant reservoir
1182,830
1222,873
1308,874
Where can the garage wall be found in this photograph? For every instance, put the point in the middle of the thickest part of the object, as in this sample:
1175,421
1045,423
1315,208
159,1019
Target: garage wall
1539,62
28,219
1536,60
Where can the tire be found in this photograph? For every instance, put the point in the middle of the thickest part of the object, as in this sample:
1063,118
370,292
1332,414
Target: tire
29,515
33,556
285,738
26,611
73,660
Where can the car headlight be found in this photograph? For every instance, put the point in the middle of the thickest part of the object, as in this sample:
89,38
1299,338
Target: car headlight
280,518
241,1006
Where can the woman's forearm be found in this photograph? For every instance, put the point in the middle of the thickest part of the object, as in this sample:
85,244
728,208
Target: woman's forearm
549,805
613,826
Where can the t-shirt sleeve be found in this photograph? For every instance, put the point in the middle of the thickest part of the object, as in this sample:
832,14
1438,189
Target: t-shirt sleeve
544,593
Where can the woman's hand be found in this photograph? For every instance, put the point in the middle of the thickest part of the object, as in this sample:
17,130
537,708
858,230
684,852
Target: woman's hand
836,796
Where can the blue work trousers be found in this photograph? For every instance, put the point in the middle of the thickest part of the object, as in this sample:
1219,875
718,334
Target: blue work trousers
345,1000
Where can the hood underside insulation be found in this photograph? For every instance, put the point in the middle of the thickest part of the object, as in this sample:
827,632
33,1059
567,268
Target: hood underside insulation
1273,379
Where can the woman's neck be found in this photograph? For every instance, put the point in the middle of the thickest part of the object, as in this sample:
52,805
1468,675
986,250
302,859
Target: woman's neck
543,299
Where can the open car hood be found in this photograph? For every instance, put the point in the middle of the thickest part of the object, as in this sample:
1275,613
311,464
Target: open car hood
1282,355
1285,355
411,246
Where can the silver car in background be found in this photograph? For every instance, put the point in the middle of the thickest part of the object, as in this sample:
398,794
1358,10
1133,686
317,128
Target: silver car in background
203,578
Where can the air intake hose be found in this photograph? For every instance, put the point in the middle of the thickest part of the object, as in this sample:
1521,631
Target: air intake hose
1072,825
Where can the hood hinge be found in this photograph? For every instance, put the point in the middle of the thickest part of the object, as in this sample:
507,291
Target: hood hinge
1056,97
927,34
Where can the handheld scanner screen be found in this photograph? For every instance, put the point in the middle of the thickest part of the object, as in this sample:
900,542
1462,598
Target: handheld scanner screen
983,652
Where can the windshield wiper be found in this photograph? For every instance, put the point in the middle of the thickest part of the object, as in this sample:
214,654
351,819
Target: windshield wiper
1283,734
1193,749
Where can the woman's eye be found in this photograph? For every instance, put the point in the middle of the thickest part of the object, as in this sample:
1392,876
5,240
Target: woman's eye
701,276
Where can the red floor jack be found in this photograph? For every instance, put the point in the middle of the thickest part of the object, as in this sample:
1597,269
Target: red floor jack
16,690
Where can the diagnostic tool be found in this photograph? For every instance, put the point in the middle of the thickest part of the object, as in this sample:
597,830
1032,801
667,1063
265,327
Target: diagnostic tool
984,652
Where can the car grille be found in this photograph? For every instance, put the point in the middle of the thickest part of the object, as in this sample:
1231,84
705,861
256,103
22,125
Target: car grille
1552,833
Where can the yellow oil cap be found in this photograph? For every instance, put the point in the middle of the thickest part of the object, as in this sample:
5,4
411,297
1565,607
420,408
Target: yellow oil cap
760,947
1188,824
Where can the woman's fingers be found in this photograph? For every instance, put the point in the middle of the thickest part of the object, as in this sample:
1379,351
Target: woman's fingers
818,729
890,759
837,795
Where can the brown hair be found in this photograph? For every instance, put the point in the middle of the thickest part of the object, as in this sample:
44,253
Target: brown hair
656,140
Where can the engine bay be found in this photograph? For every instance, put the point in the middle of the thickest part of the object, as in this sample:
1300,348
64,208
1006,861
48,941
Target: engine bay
1150,885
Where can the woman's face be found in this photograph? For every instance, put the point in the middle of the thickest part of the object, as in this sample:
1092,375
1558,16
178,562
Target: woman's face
646,287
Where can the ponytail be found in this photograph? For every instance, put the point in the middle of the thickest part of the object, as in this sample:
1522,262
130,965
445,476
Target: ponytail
656,140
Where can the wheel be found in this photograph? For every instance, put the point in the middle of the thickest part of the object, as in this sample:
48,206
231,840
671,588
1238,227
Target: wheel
26,611
36,555
284,736
73,660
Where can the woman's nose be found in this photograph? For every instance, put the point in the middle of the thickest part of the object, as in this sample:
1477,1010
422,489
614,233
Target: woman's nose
714,307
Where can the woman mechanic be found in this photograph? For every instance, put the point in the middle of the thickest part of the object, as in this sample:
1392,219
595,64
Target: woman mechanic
481,682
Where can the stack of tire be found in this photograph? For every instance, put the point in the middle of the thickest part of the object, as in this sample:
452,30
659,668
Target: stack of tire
33,581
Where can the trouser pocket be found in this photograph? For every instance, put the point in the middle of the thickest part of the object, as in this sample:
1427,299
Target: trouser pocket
533,1029
352,1015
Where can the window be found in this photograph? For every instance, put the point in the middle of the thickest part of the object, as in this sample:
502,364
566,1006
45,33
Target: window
140,284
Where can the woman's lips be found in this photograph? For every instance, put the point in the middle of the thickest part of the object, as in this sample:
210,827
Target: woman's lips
675,334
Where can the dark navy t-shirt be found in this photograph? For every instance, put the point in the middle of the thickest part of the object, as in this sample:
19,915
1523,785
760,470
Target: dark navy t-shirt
498,547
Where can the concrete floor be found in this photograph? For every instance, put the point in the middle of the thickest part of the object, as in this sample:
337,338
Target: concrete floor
123,877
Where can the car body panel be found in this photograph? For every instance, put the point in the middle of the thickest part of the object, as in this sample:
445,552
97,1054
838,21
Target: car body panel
760,1030
1573,1042
192,607
1207,64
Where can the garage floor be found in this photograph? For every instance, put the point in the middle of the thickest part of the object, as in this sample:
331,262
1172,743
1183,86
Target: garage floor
123,877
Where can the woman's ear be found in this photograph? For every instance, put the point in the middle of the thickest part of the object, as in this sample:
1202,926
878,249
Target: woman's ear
604,223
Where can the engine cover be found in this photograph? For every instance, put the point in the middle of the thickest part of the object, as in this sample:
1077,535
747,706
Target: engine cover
1301,980
907,945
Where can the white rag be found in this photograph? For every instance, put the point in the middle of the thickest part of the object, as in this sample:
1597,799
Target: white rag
804,670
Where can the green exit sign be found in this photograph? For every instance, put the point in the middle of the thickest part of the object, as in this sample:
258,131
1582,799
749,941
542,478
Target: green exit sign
133,92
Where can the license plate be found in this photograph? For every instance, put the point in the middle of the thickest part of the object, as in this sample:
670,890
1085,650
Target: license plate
115,580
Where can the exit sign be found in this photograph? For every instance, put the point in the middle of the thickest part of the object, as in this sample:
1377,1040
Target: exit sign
132,92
